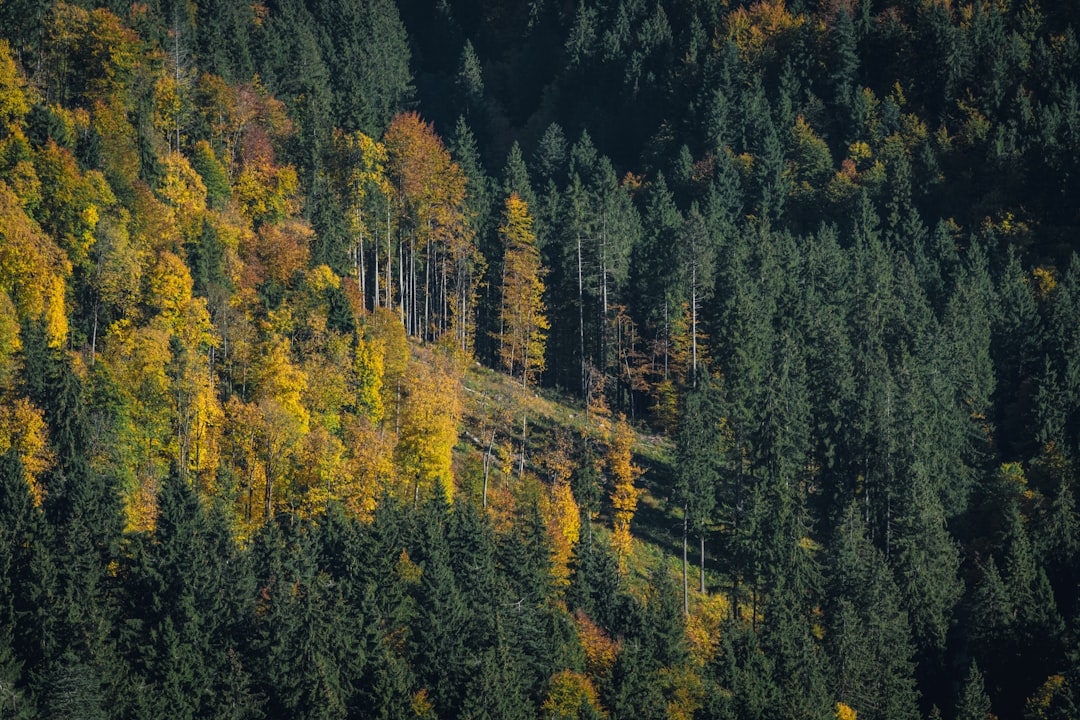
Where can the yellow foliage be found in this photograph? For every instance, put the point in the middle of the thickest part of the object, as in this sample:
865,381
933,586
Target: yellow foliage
600,650
10,342
241,429
521,315
760,30
137,359
369,368
683,686
32,268
207,418
624,495
859,151
56,322
564,524
369,465
23,429
183,190
170,287
704,625
319,473
329,385
843,712
280,380
140,507
570,691
1044,281
422,707
23,179
14,103
267,193
1048,701
119,148
322,278
430,412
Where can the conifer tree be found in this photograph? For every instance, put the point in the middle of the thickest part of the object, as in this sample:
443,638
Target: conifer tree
973,703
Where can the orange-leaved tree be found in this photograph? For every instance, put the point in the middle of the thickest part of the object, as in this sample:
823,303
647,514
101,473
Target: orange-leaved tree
441,262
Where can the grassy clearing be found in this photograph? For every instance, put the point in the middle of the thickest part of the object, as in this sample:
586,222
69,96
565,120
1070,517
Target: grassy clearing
495,402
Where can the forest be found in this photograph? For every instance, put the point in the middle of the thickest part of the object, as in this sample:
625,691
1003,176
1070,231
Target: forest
540,359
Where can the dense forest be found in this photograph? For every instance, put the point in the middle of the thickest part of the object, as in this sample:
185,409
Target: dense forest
549,359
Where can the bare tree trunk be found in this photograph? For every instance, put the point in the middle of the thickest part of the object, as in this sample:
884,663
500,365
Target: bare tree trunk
375,261
693,319
685,573
487,459
524,425
702,563
389,262
581,316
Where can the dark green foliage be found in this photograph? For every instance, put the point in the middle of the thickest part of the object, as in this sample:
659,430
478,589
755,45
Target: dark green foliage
973,703
830,245
184,645
73,689
869,638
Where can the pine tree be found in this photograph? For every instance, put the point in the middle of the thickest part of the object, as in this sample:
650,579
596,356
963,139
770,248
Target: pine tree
869,640
437,645
973,703
701,448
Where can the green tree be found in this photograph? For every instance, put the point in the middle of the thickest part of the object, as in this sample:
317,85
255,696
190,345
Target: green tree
973,703
702,443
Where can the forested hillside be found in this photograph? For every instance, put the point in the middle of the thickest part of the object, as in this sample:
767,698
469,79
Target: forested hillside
599,359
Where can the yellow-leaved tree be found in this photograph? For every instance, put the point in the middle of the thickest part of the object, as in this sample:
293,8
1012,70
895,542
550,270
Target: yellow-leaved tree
430,411
361,180
282,420
522,323
23,429
624,494
32,268
563,514
572,696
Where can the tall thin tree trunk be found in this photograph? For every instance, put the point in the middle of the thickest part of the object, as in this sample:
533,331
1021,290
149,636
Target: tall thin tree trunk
685,573
375,261
389,262
581,315
693,321
487,459
702,563
524,425
93,335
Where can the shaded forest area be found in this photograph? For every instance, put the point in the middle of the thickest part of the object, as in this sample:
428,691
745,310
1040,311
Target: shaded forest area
802,275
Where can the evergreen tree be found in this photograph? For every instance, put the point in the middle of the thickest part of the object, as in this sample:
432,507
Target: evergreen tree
180,644
700,453
973,703
870,641
438,649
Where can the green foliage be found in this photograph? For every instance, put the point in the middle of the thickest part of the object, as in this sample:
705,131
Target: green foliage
823,251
